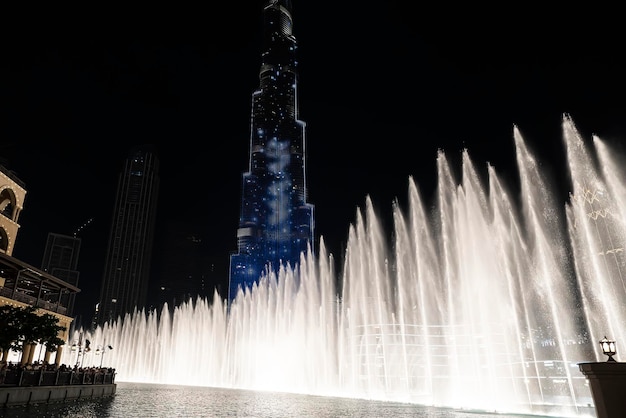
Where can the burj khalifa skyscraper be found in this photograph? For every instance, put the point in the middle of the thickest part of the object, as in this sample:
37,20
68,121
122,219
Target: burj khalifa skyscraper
276,222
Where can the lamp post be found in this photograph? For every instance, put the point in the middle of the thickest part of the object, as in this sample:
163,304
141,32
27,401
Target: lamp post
101,350
608,348
78,346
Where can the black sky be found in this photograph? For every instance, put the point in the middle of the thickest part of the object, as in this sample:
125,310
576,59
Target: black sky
383,86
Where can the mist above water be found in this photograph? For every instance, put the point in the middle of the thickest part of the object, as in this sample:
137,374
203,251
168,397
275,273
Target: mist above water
487,302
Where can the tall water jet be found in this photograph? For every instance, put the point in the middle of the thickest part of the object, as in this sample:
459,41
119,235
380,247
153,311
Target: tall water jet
596,221
486,302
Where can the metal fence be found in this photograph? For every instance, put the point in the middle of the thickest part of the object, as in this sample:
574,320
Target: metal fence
56,378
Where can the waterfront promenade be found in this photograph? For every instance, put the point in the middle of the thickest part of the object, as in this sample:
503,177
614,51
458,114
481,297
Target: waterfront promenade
21,385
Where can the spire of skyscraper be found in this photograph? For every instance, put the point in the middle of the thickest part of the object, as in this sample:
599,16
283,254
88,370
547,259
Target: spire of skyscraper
276,223
285,3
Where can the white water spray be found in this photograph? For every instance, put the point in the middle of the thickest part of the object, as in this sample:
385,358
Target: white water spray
477,305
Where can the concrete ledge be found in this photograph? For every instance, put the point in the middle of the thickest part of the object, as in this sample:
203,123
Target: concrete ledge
608,387
26,395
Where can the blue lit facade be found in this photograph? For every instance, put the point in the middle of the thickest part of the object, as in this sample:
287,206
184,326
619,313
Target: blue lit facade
276,223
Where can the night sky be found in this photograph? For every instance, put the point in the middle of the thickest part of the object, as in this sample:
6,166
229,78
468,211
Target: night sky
382,87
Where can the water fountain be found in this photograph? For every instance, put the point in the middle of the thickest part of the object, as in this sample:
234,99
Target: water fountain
486,303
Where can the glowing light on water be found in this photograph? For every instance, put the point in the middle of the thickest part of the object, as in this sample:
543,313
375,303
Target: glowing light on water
487,302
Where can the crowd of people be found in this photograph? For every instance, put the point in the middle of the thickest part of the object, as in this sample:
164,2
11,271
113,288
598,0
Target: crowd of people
16,367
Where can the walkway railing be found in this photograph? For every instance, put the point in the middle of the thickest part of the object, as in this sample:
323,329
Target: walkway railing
56,378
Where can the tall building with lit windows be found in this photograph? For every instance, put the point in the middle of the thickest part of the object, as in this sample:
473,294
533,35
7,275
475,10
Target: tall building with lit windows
131,238
276,223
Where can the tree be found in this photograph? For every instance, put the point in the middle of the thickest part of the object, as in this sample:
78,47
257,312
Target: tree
20,327
9,328
48,332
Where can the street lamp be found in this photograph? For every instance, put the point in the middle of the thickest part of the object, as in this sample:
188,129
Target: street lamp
608,348
78,346
101,350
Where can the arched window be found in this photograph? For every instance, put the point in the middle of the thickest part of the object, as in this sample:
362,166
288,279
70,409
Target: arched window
4,240
7,202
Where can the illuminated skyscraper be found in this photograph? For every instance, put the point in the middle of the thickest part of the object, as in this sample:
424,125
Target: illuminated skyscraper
129,252
276,223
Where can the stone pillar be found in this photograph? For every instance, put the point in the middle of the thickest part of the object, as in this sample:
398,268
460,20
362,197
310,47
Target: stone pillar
608,387
31,353
25,353
58,355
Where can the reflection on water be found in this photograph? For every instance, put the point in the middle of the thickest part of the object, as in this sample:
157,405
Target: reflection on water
150,400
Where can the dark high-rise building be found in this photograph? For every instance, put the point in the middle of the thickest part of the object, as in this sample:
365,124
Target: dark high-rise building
180,264
60,259
129,252
276,223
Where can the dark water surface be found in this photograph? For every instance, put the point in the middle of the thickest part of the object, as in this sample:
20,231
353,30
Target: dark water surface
149,400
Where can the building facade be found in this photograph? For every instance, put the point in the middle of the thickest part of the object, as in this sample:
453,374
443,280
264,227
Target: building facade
180,264
276,223
131,238
60,259
12,196
21,284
